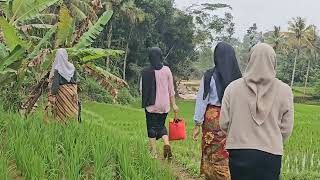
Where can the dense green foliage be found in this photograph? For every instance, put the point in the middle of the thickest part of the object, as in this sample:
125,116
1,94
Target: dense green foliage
92,91
27,54
163,25
307,68
186,37
297,51
317,89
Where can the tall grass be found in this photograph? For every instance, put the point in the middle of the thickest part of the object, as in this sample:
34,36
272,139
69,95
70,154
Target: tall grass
92,149
302,152
111,143
4,162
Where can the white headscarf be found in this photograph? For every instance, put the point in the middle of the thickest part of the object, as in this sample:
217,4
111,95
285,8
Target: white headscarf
61,64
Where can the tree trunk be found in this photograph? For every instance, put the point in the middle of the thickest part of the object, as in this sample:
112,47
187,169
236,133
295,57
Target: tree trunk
294,68
35,94
126,55
295,63
175,85
308,70
168,53
125,62
307,76
109,45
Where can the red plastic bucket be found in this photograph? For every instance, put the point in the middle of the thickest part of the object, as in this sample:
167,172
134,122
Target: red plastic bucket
177,129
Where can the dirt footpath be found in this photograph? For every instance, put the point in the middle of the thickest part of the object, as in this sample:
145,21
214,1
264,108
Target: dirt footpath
188,89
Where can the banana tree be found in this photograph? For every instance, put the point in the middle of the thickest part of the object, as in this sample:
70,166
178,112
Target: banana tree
9,65
20,11
42,53
39,15
28,14
84,55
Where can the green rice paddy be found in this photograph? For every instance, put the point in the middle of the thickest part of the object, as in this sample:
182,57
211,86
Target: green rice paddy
111,143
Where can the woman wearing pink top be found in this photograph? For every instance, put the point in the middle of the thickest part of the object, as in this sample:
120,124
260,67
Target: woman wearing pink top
157,94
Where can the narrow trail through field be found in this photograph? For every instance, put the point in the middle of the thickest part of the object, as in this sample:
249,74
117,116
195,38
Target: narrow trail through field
15,173
188,89
179,172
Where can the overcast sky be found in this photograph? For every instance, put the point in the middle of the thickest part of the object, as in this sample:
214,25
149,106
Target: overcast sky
266,13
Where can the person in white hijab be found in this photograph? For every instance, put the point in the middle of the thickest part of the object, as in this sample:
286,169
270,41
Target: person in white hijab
63,95
62,65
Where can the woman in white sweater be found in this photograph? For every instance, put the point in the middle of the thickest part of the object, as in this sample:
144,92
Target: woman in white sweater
257,116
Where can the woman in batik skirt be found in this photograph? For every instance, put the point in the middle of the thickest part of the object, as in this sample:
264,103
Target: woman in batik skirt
63,94
214,161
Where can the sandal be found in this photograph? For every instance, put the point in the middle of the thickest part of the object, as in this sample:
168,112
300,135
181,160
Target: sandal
167,154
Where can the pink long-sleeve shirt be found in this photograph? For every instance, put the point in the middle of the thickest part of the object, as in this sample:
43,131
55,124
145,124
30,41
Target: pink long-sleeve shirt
164,90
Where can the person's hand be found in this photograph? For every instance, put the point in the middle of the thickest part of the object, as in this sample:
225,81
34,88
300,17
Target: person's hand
196,132
175,108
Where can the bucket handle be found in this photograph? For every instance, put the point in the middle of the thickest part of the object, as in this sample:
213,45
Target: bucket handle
176,119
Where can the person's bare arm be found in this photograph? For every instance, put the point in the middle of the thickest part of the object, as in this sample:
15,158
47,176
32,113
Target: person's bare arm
173,104
172,93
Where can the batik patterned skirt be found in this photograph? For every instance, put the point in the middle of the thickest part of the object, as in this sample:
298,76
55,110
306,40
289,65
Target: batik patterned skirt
214,161
66,104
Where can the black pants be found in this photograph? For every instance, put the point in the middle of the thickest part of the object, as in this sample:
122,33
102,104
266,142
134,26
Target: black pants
156,125
254,165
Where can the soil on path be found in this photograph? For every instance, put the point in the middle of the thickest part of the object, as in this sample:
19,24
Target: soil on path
179,172
188,89
15,173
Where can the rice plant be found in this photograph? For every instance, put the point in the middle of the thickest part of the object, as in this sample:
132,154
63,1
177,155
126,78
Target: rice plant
111,143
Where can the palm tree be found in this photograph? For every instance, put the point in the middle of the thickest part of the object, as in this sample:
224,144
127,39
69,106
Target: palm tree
297,38
312,37
276,39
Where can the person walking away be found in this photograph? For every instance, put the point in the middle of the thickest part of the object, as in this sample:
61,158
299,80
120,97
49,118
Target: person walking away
257,116
214,161
157,94
63,95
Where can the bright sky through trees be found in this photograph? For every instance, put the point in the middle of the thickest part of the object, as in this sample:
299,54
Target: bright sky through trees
265,13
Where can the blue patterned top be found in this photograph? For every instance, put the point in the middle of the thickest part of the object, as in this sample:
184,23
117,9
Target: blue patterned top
201,105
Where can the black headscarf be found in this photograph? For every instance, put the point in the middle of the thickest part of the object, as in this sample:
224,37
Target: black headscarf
149,78
155,58
225,71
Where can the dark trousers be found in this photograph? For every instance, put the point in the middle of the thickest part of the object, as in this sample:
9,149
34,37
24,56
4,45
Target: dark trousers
156,124
254,165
